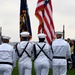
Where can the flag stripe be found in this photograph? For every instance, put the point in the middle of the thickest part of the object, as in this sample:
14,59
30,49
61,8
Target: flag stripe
49,17
48,22
44,13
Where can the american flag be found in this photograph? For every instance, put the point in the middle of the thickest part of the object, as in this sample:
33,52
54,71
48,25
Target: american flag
44,13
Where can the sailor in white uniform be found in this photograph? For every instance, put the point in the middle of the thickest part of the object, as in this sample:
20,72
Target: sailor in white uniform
24,50
43,56
61,52
7,57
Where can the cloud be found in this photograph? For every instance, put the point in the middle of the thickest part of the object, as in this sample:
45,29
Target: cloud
9,18
63,13
65,7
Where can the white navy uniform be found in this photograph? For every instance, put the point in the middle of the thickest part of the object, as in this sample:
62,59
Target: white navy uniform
25,62
42,62
7,59
61,52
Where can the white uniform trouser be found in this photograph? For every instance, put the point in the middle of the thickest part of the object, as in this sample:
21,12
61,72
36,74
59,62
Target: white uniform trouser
5,69
59,67
41,67
25,68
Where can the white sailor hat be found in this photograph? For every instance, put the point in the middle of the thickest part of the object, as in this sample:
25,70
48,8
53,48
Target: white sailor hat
24,34
6,37
59,32
41,35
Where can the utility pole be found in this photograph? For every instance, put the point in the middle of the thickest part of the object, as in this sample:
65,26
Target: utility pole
0,34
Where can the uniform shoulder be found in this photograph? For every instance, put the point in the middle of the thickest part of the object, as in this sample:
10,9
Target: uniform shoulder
54,41
47,44
31,42
65,41
10,46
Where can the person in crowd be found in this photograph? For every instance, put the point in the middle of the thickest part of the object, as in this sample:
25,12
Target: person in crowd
24,53
7,57
43,56
68,60
72,54
69,41
61,52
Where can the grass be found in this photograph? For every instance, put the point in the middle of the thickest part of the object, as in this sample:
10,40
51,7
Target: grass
15,71
71,72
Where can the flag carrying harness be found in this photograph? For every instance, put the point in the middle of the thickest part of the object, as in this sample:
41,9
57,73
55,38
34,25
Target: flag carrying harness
41,50
24,50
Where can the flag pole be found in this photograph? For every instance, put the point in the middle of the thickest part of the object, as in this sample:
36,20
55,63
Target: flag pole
43,20
0,34
63,31
43,23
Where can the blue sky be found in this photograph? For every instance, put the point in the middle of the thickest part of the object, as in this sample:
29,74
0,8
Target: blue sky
63,14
